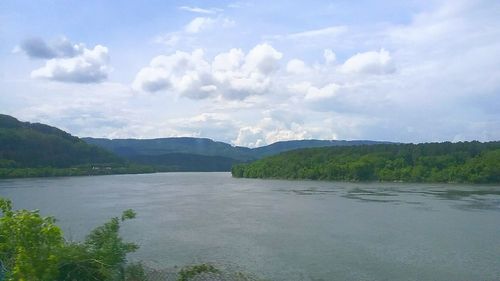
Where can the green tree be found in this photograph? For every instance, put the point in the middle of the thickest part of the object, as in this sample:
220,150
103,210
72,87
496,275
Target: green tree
29,244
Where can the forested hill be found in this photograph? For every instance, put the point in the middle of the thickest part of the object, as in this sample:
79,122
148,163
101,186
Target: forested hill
34,149
472,162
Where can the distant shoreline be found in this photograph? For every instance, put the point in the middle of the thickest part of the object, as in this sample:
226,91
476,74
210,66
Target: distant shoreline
464,162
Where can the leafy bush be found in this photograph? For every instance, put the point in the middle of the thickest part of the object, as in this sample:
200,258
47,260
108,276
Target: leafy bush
29,244
32,248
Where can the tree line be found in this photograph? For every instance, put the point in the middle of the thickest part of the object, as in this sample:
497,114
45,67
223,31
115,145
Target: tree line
462,162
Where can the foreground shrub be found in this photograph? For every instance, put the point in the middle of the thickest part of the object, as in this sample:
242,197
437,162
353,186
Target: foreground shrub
32,248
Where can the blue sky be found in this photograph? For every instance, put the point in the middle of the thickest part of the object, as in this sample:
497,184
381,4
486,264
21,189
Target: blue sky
255,72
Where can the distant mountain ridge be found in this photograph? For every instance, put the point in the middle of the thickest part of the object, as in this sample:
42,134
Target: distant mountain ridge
180,153
154,147
35,149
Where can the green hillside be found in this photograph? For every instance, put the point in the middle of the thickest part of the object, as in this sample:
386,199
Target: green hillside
471,162
34,149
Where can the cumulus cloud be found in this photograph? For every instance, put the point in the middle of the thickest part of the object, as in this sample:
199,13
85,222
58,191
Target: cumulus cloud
185,73
230,75
277,125
39,49
369,63
268,131
250,137
89,66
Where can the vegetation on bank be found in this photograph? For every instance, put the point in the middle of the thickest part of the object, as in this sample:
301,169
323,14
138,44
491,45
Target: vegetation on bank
82,170
463,162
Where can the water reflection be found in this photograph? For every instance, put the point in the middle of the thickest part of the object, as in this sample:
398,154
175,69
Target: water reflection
486,199
461,197
314,191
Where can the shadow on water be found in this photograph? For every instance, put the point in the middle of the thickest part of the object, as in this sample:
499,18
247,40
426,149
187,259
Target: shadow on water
481,199
309,191
461,197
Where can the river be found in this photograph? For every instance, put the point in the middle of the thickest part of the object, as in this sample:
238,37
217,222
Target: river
285,230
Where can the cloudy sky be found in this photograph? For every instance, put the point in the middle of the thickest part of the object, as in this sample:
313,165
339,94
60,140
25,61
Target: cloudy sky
252,73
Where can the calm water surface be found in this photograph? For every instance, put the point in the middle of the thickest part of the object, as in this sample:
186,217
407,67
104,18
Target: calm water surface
285,230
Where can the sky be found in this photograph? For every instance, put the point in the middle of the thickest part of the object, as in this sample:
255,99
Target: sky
251,73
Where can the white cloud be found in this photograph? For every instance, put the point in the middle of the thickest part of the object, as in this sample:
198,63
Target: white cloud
231,75
206,125
199,10
190,34
329,56
185,73
90,66
328,91
262,58
335,82
200,24
269,130
370,63
276,125
331,31
296,66
250,137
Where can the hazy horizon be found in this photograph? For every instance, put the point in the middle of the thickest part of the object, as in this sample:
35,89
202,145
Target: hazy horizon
254,73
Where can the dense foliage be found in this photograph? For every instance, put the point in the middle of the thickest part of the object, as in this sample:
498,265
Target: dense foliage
472,162
32,248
